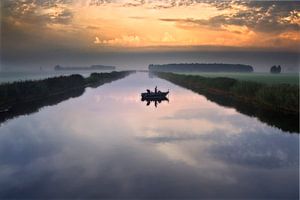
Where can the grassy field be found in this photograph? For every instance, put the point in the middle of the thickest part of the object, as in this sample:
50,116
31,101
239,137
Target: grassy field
267,78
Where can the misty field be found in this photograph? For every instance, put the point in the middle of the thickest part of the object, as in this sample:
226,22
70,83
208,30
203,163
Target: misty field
289,78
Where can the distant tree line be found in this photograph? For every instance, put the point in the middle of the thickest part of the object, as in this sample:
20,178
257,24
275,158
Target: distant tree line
275,69
201,67
92,67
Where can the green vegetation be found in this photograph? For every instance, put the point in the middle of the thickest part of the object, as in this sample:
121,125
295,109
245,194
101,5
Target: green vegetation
279,97
276,105
15,93
266,78
97,79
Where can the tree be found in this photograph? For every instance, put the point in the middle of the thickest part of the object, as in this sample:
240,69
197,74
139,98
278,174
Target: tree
275,70
279,69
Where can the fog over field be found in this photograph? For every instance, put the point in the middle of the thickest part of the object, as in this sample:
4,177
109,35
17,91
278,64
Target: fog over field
260,60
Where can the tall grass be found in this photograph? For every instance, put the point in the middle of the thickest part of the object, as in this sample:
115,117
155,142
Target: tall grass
280,97
267,78
18,92
26,90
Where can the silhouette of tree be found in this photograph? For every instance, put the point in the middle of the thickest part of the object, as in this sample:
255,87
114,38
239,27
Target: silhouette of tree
275,70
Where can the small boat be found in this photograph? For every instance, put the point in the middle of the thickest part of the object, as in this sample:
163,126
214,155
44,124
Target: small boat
157,95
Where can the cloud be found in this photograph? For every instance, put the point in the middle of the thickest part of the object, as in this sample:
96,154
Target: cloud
137,17
59,27
151,4
97,41
134,3
168,38
256,153
100,2
92,27
268,17
123,40
38,12
33,26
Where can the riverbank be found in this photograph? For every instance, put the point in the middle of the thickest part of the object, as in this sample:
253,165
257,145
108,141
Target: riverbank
260,77
277,105
16,93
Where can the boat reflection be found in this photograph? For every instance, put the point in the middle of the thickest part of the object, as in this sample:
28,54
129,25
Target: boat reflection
155,100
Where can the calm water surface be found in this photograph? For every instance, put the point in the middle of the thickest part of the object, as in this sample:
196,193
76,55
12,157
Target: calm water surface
107,143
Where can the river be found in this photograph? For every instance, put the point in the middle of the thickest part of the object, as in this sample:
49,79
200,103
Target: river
107,143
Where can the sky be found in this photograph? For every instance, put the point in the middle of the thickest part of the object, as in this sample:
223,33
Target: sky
79,32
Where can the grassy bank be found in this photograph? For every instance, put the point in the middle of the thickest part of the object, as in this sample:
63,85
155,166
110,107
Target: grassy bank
278,97
276,105
267,78
12,94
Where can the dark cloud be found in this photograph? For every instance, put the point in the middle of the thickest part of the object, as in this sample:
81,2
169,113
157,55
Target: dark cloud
100,2
165,5
25,27
92,27
259,16
156,4
28,11
63,18
135,3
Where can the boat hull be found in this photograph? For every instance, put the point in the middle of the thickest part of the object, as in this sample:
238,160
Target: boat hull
154,96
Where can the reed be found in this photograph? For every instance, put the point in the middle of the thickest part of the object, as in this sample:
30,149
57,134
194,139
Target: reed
26,91
279,97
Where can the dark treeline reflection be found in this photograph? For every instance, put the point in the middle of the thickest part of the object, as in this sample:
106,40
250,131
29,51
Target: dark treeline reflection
22,98
285,121
27,108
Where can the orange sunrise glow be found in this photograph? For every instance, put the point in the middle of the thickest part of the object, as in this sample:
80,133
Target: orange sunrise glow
95,24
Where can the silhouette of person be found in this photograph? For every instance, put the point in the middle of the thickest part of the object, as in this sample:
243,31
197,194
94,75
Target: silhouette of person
155,89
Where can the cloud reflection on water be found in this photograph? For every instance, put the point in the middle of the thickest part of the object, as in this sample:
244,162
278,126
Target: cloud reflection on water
103,145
